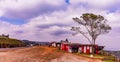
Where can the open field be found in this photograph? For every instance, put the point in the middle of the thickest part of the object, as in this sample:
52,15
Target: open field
41,54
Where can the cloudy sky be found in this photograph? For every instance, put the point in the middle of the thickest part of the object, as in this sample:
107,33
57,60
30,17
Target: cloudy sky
48,20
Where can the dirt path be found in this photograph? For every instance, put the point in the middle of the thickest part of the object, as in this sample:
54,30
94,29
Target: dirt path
41,54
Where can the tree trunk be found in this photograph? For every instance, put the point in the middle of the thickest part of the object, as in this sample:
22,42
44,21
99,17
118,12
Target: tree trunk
93,49
93,46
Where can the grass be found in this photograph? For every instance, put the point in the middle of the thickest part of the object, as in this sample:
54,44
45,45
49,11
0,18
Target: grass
108,59
9,41
99,56
104,58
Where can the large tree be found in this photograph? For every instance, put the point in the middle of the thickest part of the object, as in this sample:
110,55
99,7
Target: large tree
91,26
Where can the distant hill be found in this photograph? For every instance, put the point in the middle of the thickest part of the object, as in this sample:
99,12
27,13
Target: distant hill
9,42
35,43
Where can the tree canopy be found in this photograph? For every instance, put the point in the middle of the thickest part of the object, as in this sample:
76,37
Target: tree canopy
91,26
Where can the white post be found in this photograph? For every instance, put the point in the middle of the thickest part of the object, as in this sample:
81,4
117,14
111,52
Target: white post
84,49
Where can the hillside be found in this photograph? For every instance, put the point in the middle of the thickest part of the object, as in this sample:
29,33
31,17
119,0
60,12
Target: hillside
41,54
9,42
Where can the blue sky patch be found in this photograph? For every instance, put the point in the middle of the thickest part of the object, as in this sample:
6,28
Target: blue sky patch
67,1
13,21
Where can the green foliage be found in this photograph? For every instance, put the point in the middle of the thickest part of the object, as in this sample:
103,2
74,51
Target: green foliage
104,58
10,41
109,59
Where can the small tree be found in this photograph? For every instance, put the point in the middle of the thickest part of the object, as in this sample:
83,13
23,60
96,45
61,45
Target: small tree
91,26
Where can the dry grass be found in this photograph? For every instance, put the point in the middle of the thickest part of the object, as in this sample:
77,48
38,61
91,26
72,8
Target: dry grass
99,56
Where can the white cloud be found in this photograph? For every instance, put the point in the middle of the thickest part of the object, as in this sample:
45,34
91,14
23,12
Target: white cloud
113,19
24,4
7,28
1,13
58,17
96,3
27,9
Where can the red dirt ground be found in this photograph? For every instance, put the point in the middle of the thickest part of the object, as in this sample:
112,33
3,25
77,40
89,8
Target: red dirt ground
41,54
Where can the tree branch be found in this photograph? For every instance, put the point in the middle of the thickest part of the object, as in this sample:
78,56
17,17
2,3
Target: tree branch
85,36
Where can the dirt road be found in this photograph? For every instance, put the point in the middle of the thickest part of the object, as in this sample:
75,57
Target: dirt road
41,54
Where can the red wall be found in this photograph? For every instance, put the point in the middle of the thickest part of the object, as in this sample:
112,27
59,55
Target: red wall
82,49
97,52
88,50
64,47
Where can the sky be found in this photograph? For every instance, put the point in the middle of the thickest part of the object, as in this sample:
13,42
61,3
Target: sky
51,20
